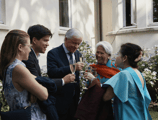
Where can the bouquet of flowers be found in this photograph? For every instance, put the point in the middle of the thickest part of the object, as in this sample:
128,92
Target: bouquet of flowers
88,58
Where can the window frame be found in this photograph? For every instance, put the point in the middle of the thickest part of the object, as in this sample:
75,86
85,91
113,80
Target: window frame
150,13
2,12
133,14
70,17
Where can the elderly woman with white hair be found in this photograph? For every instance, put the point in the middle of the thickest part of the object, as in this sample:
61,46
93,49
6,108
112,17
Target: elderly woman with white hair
92,106
105,67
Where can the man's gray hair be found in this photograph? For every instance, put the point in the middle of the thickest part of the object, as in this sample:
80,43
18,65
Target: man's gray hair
73,33
106,45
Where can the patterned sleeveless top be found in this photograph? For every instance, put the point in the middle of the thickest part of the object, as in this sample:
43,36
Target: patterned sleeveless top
17,99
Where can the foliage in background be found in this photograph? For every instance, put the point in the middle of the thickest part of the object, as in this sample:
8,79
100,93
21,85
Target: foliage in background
88,57
44,71
149,68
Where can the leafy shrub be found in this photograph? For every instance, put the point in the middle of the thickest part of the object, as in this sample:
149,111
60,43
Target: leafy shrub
149,68
5,106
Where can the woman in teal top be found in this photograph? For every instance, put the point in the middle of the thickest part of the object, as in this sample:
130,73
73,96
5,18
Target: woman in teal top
128,87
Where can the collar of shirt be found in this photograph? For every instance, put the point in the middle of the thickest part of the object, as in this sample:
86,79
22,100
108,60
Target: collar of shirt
66,51
35,53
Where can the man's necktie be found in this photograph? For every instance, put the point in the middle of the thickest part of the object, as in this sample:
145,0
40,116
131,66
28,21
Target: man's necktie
71,58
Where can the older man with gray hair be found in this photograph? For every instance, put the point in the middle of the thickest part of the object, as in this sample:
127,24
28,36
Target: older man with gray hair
58,66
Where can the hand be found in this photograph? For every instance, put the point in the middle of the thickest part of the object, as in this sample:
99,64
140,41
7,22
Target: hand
95,82
94,72
79,66
89,75
33,99
69,78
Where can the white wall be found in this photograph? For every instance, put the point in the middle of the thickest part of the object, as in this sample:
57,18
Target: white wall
143,34
20,14
144,39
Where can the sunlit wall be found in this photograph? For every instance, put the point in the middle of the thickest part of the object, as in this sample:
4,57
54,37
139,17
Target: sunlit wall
20,14
144,33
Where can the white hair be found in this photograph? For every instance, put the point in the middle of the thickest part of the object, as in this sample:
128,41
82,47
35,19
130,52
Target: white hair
106,45
73,33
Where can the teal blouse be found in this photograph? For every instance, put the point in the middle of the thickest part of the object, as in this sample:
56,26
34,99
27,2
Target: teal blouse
131,99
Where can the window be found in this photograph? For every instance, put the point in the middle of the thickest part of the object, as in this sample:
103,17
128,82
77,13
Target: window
152,12
129,13
65,13
2,12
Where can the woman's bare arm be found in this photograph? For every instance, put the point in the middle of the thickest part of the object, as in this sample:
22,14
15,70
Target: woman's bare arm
23,79
109,94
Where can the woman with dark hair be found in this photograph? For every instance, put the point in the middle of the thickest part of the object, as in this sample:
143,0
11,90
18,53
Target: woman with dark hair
17,79
128,87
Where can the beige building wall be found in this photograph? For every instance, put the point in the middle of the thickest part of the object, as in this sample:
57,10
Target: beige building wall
144,33
20,14
106,19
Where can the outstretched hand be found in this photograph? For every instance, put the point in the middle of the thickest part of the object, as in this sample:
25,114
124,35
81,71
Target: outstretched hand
95,82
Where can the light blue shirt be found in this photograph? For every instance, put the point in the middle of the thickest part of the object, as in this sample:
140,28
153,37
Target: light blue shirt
66,51
68,57
131,100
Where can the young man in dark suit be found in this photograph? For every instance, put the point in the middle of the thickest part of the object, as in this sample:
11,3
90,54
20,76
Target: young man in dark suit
58,63
39,37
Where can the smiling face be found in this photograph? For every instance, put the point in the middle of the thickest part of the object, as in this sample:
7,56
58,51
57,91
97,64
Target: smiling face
40,45
101,55
72,44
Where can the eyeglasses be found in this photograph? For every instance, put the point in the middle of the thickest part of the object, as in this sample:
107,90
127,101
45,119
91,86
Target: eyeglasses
28,45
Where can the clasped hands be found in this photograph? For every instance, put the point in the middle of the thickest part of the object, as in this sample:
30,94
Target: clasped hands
92,79
89,76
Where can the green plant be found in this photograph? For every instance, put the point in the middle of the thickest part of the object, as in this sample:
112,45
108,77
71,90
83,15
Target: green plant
5,106
149,68
88,58
44,71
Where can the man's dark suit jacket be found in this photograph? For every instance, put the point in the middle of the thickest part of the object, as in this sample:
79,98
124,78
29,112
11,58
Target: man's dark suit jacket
58,67
33,66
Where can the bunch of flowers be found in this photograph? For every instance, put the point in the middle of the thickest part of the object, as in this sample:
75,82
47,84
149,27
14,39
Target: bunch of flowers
3,101
149,68
88,57
44,71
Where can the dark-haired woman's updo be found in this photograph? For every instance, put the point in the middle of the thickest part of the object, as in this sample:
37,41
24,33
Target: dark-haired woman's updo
133,53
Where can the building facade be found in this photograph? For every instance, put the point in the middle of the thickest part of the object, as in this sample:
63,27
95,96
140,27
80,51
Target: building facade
57,15
134,21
